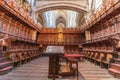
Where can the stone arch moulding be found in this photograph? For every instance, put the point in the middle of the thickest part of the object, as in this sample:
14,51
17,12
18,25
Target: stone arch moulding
68,6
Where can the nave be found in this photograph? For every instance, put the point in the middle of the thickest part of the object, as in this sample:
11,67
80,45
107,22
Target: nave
38,70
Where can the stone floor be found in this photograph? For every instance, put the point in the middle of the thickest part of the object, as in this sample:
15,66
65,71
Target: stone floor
38,70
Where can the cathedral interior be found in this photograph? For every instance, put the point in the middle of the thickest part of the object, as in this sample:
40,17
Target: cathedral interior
59,40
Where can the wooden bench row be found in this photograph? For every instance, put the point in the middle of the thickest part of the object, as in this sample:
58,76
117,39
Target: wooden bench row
99,58
19,58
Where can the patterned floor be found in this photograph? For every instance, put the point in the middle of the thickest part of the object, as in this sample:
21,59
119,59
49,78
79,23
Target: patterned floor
38,70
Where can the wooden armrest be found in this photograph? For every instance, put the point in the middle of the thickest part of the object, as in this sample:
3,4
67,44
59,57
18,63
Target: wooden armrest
97,60
107,62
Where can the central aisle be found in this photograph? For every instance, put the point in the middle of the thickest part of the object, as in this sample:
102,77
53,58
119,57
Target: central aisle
38,70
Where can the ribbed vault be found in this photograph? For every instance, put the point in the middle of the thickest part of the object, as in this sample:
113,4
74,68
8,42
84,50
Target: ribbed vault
64,8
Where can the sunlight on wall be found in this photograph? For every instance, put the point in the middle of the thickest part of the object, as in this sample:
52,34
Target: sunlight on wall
98,4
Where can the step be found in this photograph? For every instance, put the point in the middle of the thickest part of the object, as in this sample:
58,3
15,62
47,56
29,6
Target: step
118,55
3,59
117,59
6,70
1,55
115,66
114,70
5,64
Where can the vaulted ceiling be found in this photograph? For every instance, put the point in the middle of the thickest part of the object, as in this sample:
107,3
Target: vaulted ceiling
72,13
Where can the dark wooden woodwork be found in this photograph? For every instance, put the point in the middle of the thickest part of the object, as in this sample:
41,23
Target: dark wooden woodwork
50,36
18,34
107,12
115,70
73,61
54,65
19,15
14,26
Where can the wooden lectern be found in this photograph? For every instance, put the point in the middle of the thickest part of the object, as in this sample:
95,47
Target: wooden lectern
54,53
54,65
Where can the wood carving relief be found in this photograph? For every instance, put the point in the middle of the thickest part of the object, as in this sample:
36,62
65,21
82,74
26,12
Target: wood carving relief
59,36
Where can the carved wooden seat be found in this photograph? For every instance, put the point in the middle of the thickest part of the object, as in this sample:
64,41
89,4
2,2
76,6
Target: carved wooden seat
15,59
21,58
97,58
85,53
12,57
31,55
105,60
87,56
35,54
10,3
93,57
3,1
28,53
27,56
108,5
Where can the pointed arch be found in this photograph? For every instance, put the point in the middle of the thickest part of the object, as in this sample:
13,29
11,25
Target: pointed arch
61,19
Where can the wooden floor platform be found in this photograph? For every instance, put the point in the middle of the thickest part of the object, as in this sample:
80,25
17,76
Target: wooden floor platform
93,72
38,70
